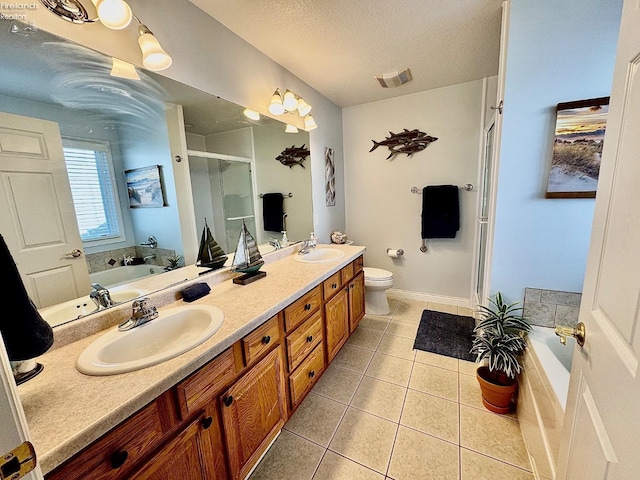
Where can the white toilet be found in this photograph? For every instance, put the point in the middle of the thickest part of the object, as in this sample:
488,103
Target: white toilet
376,283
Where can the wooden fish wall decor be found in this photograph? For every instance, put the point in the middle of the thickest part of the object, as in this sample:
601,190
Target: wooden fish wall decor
407,141
293,156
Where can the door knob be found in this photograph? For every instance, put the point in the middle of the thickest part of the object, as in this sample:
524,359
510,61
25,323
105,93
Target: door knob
579,332
75,253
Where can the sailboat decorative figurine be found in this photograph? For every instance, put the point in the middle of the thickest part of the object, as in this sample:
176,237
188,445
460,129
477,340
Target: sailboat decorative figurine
247,258
210,254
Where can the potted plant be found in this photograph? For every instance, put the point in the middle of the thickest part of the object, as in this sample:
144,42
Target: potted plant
499,340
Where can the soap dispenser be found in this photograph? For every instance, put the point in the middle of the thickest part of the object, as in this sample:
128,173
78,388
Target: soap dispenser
285,241
313,240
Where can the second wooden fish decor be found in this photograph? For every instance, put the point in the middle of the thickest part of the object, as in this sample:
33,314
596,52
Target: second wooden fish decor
407,141
293,156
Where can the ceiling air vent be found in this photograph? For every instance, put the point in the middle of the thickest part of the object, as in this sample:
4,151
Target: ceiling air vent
394,79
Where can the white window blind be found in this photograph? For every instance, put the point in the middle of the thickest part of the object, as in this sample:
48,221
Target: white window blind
93,190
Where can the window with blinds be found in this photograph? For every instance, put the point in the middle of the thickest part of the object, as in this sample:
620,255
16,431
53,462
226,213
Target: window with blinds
93,189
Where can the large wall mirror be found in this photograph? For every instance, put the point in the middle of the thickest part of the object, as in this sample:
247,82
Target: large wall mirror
78,139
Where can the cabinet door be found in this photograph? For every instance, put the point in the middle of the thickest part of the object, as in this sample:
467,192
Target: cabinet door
179,458
336,314
356,301
253,412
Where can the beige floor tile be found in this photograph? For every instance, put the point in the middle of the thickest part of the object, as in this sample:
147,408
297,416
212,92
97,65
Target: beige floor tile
420,456
364,438
436,360
402,329
379,398
316,419
470,393
336,467
372,322
493,435
467,368
390,369
432,415
474,466
465,312
353,358
434,380
397,347
290,457
364,338
338,384
441,307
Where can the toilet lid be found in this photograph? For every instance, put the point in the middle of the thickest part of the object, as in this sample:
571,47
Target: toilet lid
377,273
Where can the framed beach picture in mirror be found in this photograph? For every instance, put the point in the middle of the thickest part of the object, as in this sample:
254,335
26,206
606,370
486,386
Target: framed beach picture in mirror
144,187
577,148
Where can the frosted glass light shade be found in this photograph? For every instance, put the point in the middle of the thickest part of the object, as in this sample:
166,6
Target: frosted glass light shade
291,129
153,56
303,108
251,114
123,69
309,123
276,107
113,14
290,102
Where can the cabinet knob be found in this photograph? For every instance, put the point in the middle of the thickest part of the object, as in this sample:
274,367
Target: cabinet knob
206,422
228,401
266,339
334,285
310,338
118,458
312,374
307,306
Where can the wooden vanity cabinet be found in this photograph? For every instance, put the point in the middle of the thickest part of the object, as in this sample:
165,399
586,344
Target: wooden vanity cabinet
336,317
356,301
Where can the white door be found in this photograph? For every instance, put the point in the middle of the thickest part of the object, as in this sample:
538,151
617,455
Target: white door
13,423
37,217
601,433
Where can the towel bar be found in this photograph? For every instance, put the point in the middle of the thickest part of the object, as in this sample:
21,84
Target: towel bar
468,187
290,195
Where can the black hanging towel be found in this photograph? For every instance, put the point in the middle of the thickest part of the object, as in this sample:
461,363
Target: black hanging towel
440,211
272,212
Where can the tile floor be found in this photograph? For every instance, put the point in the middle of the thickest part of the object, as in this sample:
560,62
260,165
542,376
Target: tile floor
385,411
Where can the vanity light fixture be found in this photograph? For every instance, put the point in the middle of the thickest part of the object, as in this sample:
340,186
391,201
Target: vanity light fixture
288,104
309,123
116,15
303,107
290,101
291,129
251,114
276,106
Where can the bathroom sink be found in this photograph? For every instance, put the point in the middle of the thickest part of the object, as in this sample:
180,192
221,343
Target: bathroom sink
125,294
68,311
175,331
320,255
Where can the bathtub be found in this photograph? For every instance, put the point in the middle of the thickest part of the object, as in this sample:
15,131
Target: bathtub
121,275
543,396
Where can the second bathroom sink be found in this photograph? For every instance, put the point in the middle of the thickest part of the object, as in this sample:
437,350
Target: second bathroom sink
320,255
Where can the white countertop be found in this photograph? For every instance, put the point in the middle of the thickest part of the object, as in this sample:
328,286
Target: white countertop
67,410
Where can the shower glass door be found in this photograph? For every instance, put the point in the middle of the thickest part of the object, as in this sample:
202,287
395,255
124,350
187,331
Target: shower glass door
237,199
483,218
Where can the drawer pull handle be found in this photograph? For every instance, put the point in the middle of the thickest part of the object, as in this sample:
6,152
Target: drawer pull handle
310,338
206,422
228,401
312,374
307,306
266,339
334,285
118,458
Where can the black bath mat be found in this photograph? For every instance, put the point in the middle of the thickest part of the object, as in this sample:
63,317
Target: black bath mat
446,334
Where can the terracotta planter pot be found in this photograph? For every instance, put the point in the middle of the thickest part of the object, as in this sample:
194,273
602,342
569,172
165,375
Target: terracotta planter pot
496,397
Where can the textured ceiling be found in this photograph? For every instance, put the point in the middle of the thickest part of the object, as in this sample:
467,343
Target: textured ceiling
338,46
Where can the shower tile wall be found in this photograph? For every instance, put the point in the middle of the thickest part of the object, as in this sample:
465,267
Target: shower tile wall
548,308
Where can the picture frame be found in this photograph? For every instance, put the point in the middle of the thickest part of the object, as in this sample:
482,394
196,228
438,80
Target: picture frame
330,177
144,187
577,148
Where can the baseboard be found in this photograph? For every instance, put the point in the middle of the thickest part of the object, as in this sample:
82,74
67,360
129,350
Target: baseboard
428,297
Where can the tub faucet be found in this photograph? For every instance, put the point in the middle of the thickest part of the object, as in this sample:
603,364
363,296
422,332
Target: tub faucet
140,315
100,296
149,257
151,242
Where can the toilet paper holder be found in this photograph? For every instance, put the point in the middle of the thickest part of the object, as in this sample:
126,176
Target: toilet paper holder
395,253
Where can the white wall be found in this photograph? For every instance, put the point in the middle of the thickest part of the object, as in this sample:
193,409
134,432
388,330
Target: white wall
210,57
558,51
381,210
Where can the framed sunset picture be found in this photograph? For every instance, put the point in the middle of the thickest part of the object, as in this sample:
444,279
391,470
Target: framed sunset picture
577,148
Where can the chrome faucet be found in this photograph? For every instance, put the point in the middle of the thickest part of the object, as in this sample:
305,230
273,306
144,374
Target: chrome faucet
140,315
275,243
149,257
307,245
100,296
151,242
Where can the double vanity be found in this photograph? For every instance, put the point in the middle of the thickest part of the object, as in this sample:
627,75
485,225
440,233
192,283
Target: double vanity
212,411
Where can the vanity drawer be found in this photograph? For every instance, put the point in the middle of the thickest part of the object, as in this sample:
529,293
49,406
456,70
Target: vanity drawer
306,375
299,311
347,273
358,265
113,455
331,285
260,340
303,340
204,385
